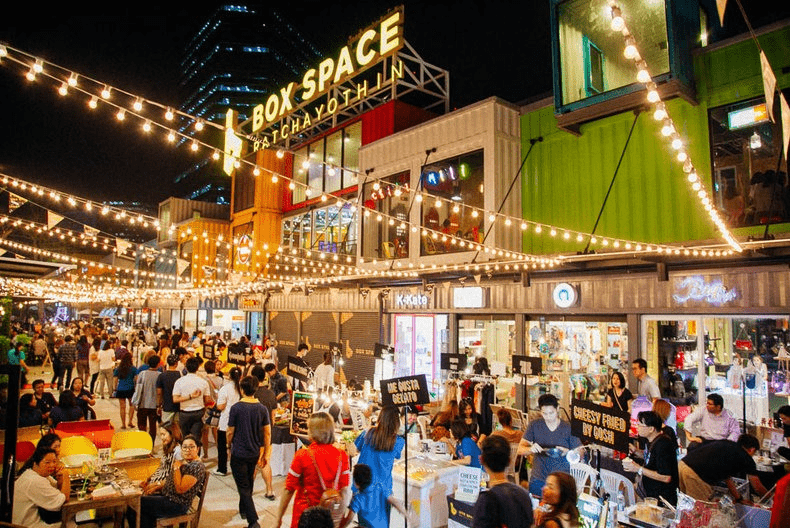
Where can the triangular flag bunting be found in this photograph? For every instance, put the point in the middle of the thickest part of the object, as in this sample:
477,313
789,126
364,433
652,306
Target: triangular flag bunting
15,202
181,266
769,84
53,219
122,245
90,231
287,288
785,123
721,5
477,278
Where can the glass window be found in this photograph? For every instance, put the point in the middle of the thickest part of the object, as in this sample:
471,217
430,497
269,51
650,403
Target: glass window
305,227
301,164
459,180
745,146
315,172
352,141
334,159
591,54
383,239
348,230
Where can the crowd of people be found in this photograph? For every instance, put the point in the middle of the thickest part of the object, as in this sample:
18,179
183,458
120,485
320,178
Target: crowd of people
178,395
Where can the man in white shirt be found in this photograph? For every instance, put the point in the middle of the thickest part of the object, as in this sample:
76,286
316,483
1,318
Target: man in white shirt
716,422
193,395
645,385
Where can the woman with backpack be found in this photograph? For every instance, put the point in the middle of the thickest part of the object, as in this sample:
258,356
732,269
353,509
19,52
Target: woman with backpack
319,474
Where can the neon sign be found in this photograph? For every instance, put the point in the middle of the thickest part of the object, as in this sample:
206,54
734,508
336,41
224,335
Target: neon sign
696,289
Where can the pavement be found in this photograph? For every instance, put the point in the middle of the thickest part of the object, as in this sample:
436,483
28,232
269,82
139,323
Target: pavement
220,507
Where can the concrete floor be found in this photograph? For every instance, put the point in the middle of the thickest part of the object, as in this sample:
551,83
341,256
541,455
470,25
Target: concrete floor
220,508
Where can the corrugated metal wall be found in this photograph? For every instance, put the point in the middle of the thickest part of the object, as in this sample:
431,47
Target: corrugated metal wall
491,125
566,177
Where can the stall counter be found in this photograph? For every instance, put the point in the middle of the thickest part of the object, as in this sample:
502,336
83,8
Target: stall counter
430,481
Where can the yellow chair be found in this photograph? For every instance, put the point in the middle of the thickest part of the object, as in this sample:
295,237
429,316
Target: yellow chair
76,450
131,443
138,468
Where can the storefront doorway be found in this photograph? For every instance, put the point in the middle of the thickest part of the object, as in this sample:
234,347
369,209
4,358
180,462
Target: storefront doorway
419,339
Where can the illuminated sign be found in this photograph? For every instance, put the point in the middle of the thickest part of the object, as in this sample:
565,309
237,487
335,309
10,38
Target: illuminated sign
249,303
371,46
244,249
564,295
696,289
469,297
746,117
418,300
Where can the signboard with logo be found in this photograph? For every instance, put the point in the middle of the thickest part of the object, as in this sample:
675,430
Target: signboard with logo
237,354
453,362
470,297
408,390
696,288
302,407
606,426
468,484
251,304
565,295
411,301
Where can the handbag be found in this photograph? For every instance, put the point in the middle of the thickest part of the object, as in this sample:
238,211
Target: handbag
211,417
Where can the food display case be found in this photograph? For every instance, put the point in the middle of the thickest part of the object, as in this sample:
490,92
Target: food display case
430,481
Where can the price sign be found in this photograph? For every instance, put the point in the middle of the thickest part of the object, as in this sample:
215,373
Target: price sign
408,390
468,484
302,408
453,362
529,366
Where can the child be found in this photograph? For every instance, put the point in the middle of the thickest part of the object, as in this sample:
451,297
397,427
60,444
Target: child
370,502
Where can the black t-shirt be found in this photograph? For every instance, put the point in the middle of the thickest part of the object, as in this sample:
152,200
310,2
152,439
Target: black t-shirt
266,396
44,404
166,381
247,420
662,458
620,403
503,505
720,460
787,430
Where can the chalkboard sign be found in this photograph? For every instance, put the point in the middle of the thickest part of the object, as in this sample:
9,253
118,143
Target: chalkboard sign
208,351
531,366
408,390
302,408
600,425
297,368
237,354
452,362
381,349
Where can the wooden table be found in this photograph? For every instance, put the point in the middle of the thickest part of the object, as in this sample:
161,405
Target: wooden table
118,503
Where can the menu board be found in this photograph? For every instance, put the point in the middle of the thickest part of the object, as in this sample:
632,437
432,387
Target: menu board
302,407
453,362
600,425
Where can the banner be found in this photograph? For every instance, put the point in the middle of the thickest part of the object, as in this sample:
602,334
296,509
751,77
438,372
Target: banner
302,405
298,369
605,426
408,390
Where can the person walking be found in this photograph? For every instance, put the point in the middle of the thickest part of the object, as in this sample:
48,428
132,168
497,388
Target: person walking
93,363
147,402
164,391
250,437
125,376
67,356
83,353
227,396
193,395
106,365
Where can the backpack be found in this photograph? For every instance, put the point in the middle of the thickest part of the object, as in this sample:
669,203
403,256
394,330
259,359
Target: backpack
331,499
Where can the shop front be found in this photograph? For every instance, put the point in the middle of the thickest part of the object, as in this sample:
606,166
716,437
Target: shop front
254,321
223,313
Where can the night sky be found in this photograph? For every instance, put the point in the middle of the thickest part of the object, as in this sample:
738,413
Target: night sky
490,47
56,141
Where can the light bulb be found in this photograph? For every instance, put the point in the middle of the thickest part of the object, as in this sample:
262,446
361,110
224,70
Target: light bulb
661,112
617,20
169,114
215,155
630,50
292,186
256,171
93,102
642,75
280,153
30,75
147,126
692,177
677,143
38,66
682,156
64,89
121,115
653,97
194,146
138,105
198,125
275,178
418,198
438,203
105,93
668,129
171,137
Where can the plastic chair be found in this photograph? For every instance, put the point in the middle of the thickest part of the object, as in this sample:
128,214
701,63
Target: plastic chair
192,517
423,422
76,450
614,482
131,443
584,475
